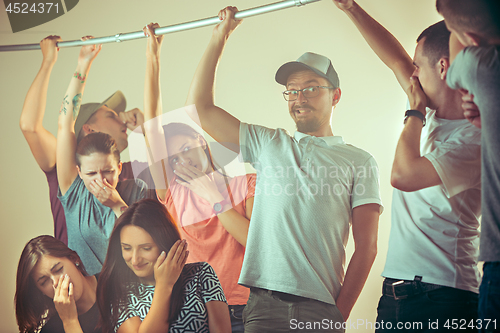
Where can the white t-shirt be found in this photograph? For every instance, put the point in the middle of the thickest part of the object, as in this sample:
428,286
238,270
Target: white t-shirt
434,231
305,192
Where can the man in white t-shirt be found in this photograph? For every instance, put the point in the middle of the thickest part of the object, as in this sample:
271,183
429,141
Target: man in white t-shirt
310,187
431,268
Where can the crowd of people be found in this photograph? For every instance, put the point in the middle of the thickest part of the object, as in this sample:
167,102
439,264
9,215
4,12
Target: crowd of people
185,247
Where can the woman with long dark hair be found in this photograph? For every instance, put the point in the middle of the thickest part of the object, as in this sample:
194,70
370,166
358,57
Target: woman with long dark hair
145,285
211,209
54,293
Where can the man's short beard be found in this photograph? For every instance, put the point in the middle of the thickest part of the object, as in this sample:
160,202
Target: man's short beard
310,126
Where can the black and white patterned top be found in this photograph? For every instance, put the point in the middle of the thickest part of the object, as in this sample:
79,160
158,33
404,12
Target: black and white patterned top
201,285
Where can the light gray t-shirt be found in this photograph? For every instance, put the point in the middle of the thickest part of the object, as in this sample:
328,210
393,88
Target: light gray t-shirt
90,223
434,231
477,69
305,192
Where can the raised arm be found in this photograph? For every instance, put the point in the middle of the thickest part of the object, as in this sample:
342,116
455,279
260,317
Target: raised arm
364,232
411,171
41,142
219,124
153,130
66,142
381,41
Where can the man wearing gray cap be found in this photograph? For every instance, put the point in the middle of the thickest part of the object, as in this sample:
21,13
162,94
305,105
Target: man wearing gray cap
309,189
108,117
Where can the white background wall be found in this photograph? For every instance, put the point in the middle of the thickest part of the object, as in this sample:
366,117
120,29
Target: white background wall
369,115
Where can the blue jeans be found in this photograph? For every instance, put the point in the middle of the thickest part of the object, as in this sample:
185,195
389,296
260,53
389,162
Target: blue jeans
236,315
489,297
441,310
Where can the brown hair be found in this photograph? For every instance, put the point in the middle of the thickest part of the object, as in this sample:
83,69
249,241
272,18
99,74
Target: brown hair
478,16
436,43
97,143
117,279
32,306
174,129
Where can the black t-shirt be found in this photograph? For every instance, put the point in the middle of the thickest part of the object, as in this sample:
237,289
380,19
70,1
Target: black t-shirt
88,322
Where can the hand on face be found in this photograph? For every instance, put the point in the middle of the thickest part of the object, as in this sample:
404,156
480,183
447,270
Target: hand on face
154,43
105,193
199,182
344,4
89,52
471,111
132,118
168,267
228,24
49,48
64,301
416,96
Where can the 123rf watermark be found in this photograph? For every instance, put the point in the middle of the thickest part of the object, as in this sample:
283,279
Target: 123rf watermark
362,324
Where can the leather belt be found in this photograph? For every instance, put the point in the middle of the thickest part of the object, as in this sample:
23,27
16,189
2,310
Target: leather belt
401,289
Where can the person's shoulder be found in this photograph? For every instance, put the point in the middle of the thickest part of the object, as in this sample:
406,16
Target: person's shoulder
356,153
480,57
197,268
130,185
458,131
77,189
244,179
251,177
259,129
489,51
467,133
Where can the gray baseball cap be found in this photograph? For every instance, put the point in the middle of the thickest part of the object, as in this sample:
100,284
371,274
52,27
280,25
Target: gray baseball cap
319,64
116,102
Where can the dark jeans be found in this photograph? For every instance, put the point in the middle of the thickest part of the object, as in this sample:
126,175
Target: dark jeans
489,298
441,310
268,311
236,315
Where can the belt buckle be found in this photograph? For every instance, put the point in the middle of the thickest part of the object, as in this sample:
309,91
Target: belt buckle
393,285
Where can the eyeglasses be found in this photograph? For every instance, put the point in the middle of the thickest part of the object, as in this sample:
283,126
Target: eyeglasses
309,92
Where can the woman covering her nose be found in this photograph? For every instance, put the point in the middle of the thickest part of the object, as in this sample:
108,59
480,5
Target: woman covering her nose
54,293
88,172
212,210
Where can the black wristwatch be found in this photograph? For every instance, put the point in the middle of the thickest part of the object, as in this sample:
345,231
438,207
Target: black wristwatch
415,113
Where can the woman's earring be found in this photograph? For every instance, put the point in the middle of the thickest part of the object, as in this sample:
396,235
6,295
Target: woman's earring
77,264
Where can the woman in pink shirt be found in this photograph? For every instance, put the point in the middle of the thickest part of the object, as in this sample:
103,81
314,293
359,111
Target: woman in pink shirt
211,209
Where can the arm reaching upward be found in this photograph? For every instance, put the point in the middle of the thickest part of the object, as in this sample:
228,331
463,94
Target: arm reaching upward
410,170
381,41
66,143
219,124
155,139
42,143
